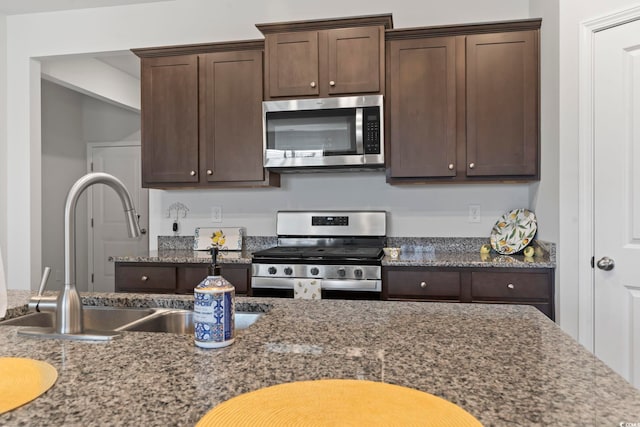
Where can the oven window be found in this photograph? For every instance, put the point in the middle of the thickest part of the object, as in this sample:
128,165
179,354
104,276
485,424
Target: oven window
314,132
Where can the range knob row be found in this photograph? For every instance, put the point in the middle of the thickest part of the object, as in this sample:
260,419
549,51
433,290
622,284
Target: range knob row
314,270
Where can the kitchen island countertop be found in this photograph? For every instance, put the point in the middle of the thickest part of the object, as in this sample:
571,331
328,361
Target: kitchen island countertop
507,365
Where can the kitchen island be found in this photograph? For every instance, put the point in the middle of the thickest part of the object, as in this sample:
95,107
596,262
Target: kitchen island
505,364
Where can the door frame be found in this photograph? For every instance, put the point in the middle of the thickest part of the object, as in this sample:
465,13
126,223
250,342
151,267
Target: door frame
90,147
586,164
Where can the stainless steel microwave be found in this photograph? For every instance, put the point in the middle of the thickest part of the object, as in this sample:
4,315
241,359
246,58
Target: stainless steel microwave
324,134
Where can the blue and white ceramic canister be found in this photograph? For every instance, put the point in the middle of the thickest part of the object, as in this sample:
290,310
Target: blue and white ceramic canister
214,313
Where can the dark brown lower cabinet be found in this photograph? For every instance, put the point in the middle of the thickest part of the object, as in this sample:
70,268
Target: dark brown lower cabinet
167,278
533,286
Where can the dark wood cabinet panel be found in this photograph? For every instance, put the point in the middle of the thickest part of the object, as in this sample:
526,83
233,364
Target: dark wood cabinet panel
170,120
143,278
421,284
502,104
231,116
292,64
533,286
510,286
354,60
331,59
188,277
422,104
239,275
151,277
463,103
202,116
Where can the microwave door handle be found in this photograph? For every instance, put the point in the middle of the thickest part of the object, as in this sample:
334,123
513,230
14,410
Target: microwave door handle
359,130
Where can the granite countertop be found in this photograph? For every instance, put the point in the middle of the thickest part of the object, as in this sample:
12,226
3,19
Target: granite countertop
446,252
186,256
468,259
507,365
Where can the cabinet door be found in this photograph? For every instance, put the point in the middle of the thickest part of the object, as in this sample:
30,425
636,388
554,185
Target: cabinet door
422,284
502,104
293,64
238,275
231,116
422,108
189,277
353,60
170,120
145,278
499,286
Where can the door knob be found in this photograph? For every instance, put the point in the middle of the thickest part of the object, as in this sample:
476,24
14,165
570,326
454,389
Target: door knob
605,263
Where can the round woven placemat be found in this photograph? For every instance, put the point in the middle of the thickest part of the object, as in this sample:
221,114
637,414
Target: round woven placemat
22,380
337,402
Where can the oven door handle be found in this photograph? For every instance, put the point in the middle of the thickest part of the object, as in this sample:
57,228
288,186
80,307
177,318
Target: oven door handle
359,131
352,285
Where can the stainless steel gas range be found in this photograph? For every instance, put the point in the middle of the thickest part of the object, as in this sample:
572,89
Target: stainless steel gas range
343,249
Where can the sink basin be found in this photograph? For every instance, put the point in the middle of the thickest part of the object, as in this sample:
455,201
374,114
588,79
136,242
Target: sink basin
181,322
94,318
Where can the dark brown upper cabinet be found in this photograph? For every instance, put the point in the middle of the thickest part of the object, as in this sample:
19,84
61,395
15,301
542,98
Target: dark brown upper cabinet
463,103
202,116
325,58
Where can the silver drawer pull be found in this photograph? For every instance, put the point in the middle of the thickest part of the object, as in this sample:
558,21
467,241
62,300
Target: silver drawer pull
511,286
144,278
423,284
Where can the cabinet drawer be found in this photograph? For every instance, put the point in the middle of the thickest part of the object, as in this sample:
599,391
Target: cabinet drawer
190,277
423,284
143,278
510,286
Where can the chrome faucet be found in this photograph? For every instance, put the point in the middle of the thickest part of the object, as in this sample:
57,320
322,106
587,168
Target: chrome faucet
68,306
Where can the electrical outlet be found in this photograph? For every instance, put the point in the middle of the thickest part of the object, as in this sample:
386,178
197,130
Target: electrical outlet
216,214
474,213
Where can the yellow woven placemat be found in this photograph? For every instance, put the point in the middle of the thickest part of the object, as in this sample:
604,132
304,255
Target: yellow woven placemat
22,380
337,402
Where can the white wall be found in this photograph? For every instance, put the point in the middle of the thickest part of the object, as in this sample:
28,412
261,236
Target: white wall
3,138
195,21
64,160
70,120
572,13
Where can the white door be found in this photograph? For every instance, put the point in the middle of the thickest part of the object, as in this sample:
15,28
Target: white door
617,199
108,237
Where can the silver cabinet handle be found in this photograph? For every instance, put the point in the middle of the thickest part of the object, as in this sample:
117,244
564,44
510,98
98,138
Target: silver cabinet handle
209,172
332,83
605,263
511,286
192,173
313,84
423,285
472,165
144,278
451,166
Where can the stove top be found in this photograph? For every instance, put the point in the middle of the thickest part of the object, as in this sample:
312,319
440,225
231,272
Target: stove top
321,253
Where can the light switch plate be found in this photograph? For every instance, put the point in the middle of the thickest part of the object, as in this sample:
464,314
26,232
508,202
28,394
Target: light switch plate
216,213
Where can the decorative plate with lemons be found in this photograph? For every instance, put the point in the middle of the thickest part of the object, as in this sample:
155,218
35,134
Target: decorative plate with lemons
513,231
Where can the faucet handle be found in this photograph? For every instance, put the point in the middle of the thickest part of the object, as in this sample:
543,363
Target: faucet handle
40,302
43,281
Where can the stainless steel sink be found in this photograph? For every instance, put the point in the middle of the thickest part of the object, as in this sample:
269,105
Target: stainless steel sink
174,321
181,322
94,318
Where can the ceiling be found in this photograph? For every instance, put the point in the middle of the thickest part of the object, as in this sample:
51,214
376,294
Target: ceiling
19,7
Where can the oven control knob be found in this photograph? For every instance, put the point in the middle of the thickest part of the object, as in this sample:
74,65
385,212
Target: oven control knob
358,273
315,271
342,272
288,271
272,270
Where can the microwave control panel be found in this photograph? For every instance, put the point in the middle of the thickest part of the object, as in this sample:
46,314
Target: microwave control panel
371,130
